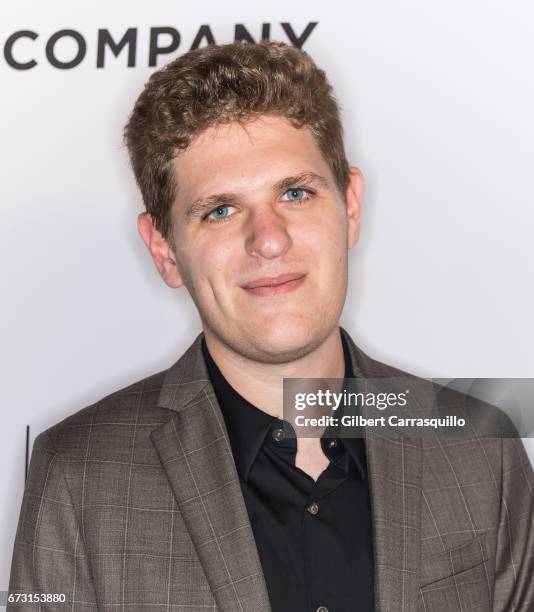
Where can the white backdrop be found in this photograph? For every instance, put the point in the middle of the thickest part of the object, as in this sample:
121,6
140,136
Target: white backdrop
437,101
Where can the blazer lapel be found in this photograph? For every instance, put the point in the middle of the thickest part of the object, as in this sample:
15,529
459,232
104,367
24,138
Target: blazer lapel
194,450
394,465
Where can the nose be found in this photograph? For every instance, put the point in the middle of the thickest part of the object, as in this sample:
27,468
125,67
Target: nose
267,235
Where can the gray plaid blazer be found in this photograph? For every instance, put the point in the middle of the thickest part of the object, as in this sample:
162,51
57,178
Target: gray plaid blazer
134,503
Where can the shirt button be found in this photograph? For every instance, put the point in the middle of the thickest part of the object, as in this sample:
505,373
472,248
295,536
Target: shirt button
322,609
278,434
313,508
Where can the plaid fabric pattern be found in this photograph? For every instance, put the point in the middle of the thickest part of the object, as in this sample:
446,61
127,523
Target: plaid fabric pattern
134,503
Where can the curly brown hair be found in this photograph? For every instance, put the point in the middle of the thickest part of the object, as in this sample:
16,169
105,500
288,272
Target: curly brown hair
220,84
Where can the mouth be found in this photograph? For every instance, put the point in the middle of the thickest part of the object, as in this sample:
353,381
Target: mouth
274,285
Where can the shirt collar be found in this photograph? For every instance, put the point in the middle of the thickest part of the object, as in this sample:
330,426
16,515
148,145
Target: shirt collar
248,426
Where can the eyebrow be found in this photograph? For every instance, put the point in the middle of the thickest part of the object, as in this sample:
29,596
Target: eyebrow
210,202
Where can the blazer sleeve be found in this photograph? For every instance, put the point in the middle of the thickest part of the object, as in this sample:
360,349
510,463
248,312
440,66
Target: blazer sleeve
514,562
49,556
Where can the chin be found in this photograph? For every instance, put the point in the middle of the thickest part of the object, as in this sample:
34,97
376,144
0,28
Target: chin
284,341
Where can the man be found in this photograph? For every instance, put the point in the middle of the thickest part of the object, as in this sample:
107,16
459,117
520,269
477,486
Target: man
182,492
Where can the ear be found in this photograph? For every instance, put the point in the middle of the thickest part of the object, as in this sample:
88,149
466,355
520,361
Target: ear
354,198
162,254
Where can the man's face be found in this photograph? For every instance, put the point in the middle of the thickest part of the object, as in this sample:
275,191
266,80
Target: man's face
257,205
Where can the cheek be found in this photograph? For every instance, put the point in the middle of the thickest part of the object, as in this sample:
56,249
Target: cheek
211,262
327,240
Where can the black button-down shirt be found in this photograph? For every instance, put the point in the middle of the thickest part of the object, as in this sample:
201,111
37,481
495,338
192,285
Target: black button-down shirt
314,538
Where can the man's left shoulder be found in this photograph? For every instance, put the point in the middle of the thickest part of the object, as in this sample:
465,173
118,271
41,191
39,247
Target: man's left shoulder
431,398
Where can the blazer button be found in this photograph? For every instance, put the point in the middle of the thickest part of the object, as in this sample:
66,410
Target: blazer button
322,609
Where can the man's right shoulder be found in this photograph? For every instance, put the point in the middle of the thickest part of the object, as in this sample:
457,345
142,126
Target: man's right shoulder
135,405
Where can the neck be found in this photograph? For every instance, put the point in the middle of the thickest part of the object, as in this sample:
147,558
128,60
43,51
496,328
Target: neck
262,383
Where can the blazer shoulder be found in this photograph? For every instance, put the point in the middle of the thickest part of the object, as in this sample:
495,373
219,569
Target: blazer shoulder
135,403
485,419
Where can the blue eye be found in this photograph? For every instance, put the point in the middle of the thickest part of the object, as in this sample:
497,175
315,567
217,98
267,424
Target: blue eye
296,194
222,213
218,214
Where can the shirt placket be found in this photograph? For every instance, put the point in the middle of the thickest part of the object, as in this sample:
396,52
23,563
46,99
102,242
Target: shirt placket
314,516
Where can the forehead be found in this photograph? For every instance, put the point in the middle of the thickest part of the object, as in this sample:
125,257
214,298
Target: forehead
246,156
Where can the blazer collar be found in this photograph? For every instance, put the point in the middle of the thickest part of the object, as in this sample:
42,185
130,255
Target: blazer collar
185,379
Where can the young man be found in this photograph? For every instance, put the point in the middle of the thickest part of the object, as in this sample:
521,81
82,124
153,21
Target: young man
181,492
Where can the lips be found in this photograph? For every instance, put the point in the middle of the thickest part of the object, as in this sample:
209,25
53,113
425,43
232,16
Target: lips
273,281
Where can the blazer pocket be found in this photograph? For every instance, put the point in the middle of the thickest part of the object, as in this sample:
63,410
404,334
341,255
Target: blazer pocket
455,560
